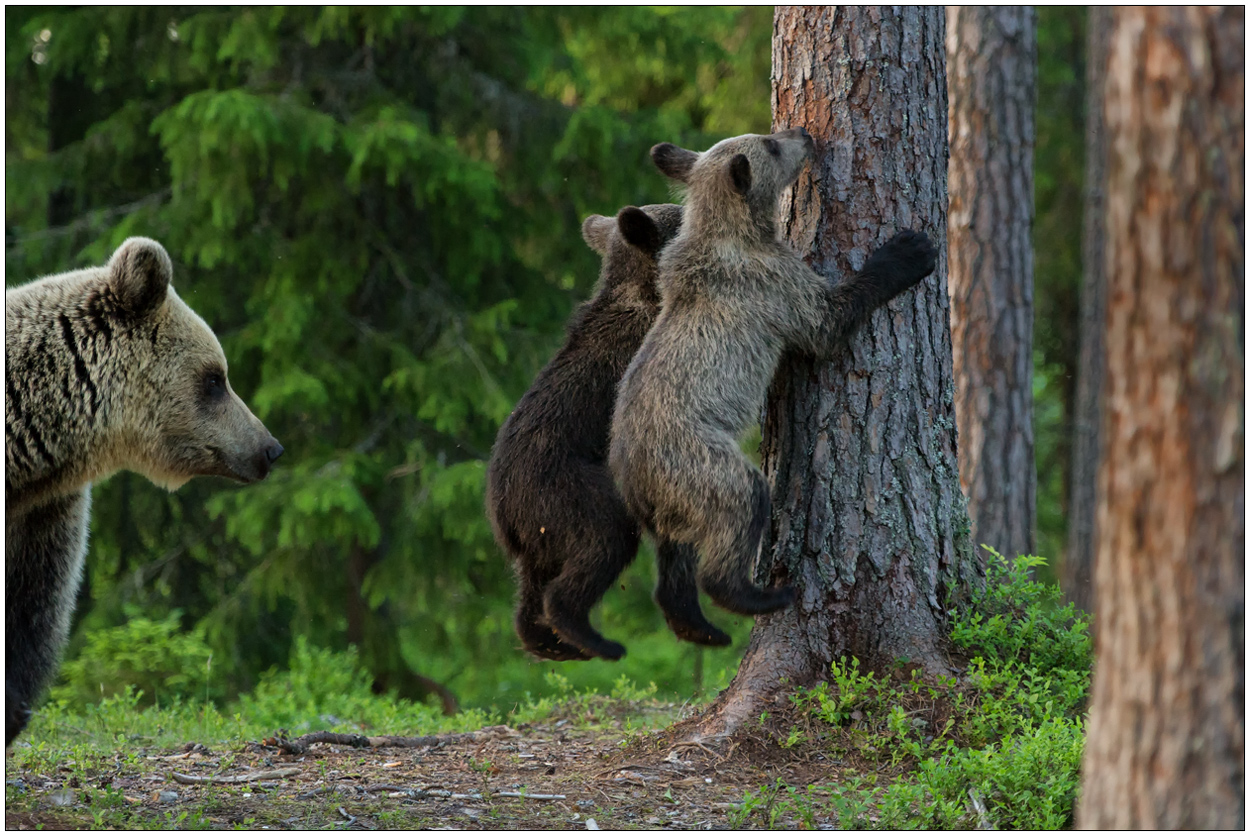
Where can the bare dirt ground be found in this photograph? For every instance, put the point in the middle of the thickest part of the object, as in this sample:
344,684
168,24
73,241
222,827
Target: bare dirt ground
582,772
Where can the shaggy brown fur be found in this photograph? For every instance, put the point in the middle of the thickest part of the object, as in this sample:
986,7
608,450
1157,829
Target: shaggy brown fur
106,369
735,297
550,498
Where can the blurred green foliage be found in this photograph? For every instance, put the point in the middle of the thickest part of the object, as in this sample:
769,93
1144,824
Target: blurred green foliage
1058,199
156,659
377,210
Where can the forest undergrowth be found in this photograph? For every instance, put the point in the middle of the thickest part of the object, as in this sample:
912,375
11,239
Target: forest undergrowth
997,745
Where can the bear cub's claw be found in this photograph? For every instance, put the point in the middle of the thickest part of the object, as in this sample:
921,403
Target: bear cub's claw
707,635
558,651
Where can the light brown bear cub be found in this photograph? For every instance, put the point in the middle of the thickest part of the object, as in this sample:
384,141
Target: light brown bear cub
106,369
734,298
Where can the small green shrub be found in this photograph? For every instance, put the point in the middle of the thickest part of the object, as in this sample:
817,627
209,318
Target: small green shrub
1027,782
154,659
1015,619
328,690
1009,747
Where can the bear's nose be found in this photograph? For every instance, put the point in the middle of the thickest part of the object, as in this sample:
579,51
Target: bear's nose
273,452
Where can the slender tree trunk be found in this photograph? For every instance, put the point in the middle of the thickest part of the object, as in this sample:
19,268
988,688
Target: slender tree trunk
1078,561
375,635
992,81
868,522
1166,741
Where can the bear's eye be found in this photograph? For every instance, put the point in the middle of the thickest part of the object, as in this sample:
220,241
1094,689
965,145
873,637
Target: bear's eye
773,147
214,384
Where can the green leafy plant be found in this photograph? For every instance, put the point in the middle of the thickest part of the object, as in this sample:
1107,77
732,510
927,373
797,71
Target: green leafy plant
156,660
998,745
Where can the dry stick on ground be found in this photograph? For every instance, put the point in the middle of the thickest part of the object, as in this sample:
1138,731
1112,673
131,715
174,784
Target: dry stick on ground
234,779
300,745
413,792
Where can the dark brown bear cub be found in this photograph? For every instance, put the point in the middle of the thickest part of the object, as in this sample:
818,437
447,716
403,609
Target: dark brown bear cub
735,298
550,498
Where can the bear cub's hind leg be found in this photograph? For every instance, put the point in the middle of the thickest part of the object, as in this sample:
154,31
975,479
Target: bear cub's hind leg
594,561
538,638
677,595
729,555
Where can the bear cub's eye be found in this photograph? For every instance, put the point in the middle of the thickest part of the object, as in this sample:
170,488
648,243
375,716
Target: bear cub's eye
773,147
214,384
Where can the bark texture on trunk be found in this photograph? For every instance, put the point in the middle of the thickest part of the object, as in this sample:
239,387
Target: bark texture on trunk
991,54
1078,560
868,520
1166,738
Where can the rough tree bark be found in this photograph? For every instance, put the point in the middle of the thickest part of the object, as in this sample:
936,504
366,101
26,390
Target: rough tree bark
1078,559
869,522
991,52
1166,740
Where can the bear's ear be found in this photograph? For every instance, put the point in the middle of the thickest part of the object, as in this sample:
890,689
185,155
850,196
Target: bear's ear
597,232
139,274
673,162
740,173
638,229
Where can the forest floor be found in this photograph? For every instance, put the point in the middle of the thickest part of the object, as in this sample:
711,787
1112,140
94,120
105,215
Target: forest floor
996,745
585,772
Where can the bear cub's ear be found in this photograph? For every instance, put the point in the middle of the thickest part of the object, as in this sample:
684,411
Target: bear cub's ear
597,232
139,274
673,162
740,173
638,229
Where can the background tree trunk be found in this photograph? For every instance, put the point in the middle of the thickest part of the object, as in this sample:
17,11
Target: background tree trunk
373,631
868,520
1078,559
1166,739
992,81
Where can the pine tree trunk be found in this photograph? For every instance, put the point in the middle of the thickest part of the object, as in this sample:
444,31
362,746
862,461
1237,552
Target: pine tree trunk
992,81
1078,560
376,636
868,520
1166,740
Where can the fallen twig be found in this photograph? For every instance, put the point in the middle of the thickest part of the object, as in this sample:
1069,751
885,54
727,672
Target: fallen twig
417,793
300,745
695,744
413,792
234,779
328,788
624,768
387,788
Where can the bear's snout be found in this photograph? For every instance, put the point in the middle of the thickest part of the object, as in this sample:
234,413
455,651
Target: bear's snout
263,461
273,452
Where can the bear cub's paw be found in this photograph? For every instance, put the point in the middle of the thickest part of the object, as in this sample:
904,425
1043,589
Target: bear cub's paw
747,599
706,634
905,259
